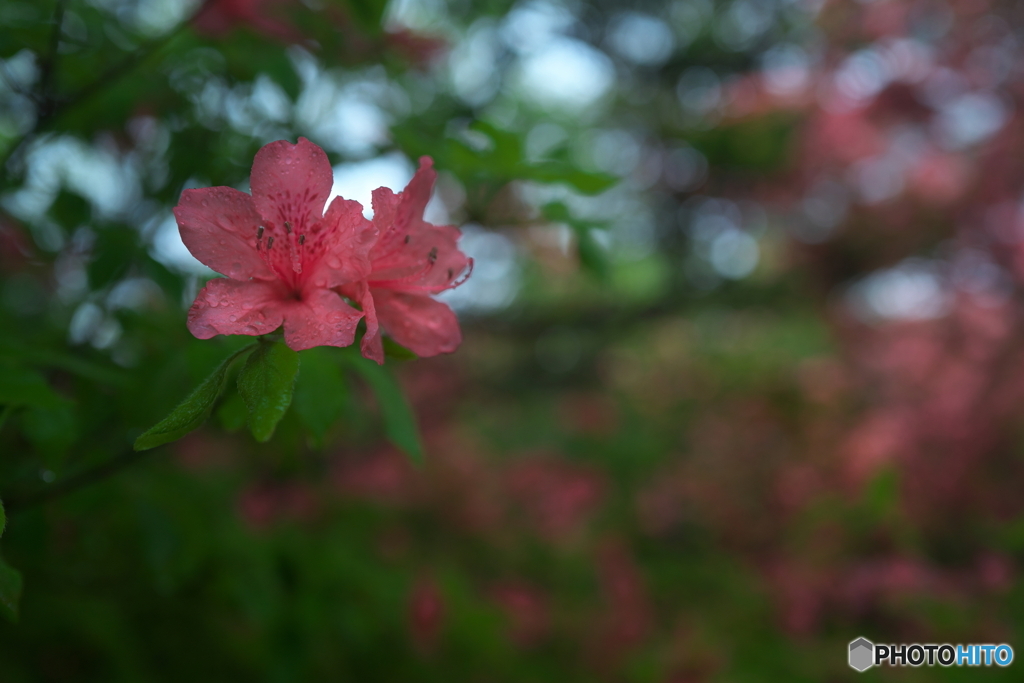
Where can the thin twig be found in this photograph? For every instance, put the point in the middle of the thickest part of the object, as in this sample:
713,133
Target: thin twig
51,109
120,69
69,485
46,80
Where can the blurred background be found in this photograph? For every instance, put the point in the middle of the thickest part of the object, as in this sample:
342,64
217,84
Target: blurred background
742,377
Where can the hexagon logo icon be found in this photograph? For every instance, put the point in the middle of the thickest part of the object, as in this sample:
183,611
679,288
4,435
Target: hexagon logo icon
862,653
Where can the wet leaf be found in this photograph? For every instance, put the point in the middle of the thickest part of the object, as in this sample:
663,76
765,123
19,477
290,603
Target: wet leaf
191,412
266,384
232,413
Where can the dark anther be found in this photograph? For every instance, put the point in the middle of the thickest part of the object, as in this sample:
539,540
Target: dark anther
302,240
450,273
270,242
433,254
406,240
288,227
259,233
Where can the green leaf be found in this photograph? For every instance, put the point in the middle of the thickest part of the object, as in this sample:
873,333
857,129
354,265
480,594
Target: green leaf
266,384
321,394
23,387
3,519
399,421
10,591
393,349
508,149
191,412
557,211
560,172
593,257
232,413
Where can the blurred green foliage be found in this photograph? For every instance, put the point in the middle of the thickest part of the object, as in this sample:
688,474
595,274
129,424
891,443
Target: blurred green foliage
597,486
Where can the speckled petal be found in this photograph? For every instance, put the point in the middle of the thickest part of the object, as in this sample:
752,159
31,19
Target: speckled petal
412,255
419,323
289,181
219,226
290,185
322,318
231,307
428,261
337,249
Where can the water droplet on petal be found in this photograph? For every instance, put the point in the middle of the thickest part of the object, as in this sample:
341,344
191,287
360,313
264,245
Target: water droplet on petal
233,318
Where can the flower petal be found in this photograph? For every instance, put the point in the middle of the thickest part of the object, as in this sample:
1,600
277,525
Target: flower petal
233,307
322,318
411,254
291,182
430,262
219,226
419,323
336,250
416,195
290,185
398,215
372,346
427,261
385,208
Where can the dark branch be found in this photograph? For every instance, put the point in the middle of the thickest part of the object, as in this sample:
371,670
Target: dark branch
46,87
51,108
69,485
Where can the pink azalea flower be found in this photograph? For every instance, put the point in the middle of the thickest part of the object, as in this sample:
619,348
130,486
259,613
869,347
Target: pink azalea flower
282,255
411,260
